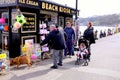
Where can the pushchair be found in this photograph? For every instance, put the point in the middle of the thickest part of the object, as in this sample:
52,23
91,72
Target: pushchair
85,59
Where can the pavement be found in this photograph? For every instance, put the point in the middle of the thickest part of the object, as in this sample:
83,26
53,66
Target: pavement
104,65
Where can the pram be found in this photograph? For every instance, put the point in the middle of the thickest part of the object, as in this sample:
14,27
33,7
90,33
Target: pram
85,59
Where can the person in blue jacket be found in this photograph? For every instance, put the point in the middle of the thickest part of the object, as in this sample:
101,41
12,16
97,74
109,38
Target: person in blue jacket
70,39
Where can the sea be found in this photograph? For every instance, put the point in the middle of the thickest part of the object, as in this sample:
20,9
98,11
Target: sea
98,28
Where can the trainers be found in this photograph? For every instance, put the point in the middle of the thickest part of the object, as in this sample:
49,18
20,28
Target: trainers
73,54
60,64
54,67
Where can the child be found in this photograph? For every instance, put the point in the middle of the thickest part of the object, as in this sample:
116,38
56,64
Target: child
83,50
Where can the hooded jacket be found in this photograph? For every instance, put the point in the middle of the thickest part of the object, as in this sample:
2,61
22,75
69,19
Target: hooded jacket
89,35
56,39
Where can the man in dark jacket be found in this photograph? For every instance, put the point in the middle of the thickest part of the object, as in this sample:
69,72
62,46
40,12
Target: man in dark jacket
89,35
58,45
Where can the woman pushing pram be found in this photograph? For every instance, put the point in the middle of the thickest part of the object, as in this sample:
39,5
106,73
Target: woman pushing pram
88,39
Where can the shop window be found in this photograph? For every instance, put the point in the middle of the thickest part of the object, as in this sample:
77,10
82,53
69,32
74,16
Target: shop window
48,17
43,33
4,21
30,25
4,29
5,42
54,19
14,14
5,16
61,21
44,18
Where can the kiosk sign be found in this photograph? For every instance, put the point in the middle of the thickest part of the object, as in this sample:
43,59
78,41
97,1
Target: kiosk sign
3,55
30,25
8,2
31,3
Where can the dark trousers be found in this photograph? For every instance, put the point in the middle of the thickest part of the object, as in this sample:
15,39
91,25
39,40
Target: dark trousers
68,50
57,56
89,50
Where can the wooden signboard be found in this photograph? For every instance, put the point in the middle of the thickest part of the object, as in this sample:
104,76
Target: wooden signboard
30,25
4,3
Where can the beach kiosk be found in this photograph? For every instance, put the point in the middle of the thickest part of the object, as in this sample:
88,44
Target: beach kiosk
11,39
35,12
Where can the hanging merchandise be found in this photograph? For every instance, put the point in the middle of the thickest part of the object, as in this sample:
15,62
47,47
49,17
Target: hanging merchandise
37,50
4,62
32,50
1,27
24,49
21,19
34,57
2,20
6,28
6,41
17,25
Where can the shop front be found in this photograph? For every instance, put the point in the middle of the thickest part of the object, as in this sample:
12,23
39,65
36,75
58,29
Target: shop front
36,12
12,39
52,13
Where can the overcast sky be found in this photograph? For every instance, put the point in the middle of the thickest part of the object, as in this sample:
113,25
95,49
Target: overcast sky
90,8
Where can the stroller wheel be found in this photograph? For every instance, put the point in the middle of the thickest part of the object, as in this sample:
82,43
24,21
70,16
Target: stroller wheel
89,59
77,62
85,63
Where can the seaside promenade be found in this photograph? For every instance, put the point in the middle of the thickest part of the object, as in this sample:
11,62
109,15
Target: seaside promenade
104,65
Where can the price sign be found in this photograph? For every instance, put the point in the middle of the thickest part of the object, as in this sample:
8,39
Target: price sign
3,55
30,25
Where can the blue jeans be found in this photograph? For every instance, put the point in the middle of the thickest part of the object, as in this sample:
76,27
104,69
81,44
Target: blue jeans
68,50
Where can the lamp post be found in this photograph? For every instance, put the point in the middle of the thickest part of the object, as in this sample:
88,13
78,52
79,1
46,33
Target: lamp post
76,9
77,22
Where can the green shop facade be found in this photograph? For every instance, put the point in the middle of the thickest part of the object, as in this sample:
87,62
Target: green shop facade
36,12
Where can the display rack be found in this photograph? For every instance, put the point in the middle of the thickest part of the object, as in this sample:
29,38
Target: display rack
43,33
4,62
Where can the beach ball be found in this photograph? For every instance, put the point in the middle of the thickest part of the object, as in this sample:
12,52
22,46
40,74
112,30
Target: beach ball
21,19
34,57
6,28
2,20
17,25
1,27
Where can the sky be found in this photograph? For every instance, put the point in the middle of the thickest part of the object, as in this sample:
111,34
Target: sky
89,8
